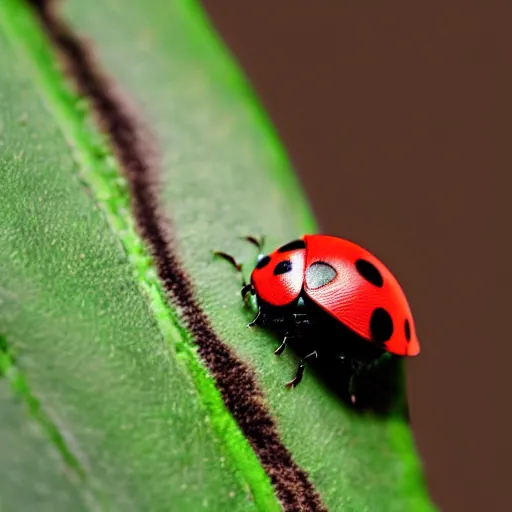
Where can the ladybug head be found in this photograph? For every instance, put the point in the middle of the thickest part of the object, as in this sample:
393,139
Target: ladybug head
278,277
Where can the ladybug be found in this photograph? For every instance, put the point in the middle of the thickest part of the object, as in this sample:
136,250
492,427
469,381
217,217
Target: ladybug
337,295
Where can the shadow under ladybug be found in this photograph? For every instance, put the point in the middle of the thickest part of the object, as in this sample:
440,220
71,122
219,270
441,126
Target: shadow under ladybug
307,301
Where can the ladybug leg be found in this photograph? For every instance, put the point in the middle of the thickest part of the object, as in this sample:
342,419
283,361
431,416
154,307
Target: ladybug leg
246,289
300,320
300,370
257,319
279,350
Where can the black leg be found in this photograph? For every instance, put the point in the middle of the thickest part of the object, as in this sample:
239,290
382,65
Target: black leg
279,350
257,319
300,370
247,288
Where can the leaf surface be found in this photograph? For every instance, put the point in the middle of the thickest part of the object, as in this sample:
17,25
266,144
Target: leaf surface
82,313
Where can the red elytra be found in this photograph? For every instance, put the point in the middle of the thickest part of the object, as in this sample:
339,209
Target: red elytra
346,281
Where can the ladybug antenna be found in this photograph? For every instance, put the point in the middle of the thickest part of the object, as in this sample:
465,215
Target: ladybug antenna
231,259
254,241
246,287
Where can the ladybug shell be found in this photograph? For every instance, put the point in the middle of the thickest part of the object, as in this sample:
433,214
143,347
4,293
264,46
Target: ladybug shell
346,281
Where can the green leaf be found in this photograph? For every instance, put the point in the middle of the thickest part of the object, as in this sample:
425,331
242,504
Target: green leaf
83,311
27,457
84,316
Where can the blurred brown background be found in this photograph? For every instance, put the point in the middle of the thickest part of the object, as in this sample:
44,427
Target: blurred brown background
398,118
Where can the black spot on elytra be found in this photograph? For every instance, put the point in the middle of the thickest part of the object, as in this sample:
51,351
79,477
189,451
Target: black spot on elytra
263,262
407,329
292,246
370,272
283,267
381,325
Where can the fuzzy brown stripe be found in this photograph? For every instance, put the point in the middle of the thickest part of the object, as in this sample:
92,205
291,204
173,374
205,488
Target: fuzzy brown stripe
135,150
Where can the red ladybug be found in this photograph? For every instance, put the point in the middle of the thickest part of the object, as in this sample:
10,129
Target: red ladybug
328,285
